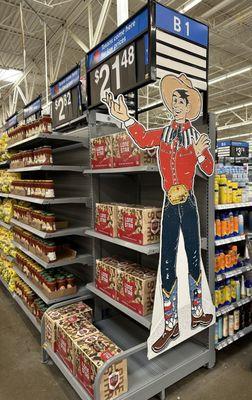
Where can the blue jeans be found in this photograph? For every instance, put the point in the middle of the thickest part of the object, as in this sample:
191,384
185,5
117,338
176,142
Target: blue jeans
184,216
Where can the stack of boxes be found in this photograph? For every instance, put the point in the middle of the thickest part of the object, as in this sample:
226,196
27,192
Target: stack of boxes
84,349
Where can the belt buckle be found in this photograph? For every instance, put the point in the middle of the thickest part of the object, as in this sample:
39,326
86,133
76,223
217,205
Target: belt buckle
177,194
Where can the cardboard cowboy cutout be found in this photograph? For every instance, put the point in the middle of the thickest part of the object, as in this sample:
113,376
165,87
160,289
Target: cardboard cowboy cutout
180,149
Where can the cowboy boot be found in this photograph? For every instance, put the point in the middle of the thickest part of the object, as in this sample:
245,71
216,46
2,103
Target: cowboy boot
171,330
199,318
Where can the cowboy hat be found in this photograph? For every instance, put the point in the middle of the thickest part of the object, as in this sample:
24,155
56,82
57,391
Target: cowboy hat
170,83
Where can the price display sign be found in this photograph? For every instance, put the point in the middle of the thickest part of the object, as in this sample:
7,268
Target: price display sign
33,109
11,122
121,63
66,98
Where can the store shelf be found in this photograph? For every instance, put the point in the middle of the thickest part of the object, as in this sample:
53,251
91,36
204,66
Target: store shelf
5,225
220,242
146,378
4,194
79,231
51,139
80,292
145,321
231,339
234,272
52,168
27,312
233,306
5,285
84,259
147,249
127,170
9,258
56,200
233,205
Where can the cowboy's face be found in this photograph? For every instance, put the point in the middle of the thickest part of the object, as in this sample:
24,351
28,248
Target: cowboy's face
180,107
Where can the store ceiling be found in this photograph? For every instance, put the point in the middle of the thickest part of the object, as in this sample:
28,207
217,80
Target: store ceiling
230,47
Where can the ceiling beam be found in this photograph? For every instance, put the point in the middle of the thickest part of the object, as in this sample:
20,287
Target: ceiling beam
101,22
77,40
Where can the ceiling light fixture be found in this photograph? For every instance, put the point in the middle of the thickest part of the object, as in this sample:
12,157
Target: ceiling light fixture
10,75
242,105
224,127
229,75
189,5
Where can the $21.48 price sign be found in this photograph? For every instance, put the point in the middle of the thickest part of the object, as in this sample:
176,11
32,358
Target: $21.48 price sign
66,107
117,75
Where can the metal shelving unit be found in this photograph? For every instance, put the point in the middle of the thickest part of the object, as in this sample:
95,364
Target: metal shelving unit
126,170
27,312
233,306
231,339
80,292
233,205
4,164
8,257
56,200
220,242
5,225
79,259
78,230
52,168
234,272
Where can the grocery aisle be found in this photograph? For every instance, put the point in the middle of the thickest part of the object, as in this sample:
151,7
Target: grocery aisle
23,377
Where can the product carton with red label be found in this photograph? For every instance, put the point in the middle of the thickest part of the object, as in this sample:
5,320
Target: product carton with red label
54,316
127,154
139,224
105,279
69,331
135,287
90,355
106,219
102,152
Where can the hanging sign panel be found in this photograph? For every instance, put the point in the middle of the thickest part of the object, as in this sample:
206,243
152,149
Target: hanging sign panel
66,98
121,62
11,121
33,108
181,46
232,148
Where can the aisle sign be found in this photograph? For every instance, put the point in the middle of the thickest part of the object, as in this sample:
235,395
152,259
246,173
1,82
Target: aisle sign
66,98
11,121
121,62
33,108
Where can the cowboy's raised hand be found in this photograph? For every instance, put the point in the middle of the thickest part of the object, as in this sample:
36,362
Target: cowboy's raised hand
117,108
202,144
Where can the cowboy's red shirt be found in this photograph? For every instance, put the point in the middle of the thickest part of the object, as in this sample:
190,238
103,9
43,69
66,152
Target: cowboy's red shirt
177,163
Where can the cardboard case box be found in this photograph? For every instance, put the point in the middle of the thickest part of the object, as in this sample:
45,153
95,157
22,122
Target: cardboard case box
102,152
139,224
69,331
135,288
105,278
90,355
127,154
54,316
106,219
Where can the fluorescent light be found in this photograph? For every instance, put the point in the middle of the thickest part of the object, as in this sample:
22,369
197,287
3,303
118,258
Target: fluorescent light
229,75
189,5
10,75
224,127
236,136
242,105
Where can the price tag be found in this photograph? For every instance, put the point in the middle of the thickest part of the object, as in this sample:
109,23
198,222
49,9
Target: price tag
235,337
66,106
229,340
241,334
224,344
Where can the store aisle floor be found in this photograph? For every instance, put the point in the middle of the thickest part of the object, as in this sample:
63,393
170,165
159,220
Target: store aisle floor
22,376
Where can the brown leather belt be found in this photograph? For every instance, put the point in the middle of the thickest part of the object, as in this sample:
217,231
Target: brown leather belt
178,194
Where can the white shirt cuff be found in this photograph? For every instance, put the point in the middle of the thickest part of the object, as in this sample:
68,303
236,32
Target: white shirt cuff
129,122
201,159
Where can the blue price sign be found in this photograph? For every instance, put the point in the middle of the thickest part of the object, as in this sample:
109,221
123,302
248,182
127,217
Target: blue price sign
181,25
65,83
119,39
11,121
33,107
